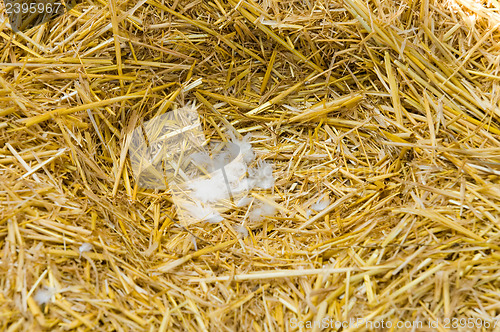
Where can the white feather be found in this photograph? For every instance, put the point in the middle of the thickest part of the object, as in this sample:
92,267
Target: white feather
321,204
195,245
204,213
44,295
85,247
216,188
245,148
244,201
242,230
201,158
260,211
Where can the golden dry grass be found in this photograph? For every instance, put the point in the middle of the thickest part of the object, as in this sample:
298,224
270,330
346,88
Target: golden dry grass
391,108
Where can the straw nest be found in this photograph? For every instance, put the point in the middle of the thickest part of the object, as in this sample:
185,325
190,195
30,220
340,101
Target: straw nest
386,113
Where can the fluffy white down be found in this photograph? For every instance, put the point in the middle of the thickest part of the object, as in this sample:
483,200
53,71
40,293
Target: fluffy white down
242,230
206,191
244,201
203,212
321,204
85,247
215,189
260,211
43,295
262,175
245,148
